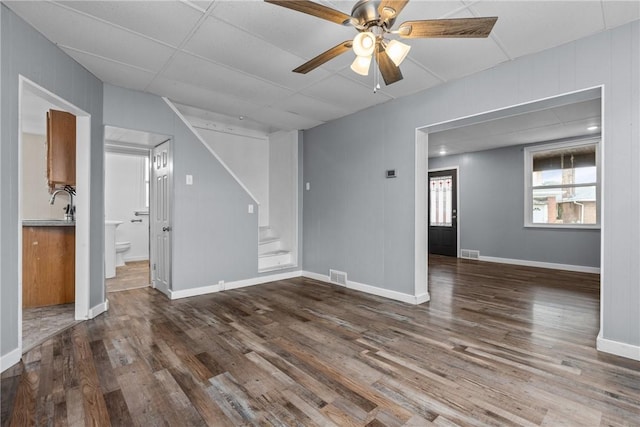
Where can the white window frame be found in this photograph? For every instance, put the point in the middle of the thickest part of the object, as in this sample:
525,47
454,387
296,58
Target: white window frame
528,181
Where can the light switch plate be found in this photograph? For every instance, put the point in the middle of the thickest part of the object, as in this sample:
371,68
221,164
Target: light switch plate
189,179
308,186
250,209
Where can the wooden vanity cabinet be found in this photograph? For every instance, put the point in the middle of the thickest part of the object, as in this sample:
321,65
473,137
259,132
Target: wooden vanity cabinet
48,266
61,149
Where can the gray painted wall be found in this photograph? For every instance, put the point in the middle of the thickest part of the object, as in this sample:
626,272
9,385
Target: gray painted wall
25,51
493,221
214,238
358,222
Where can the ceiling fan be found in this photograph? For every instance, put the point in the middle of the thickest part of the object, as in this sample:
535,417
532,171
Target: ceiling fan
374,19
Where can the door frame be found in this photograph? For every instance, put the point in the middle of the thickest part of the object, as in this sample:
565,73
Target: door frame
457,169
153,256
82,200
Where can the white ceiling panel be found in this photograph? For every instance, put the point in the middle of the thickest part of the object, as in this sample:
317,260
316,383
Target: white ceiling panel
238,60
525,27
113,72
69,28
283,119
342,91
144,17
620,12
298,33
561,122
265,60
193,95
310,107
199,72
454,58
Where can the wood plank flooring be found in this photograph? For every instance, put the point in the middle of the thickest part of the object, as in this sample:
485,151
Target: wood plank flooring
132,275
497,345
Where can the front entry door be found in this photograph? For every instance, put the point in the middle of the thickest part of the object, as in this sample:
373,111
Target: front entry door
443,213
160,214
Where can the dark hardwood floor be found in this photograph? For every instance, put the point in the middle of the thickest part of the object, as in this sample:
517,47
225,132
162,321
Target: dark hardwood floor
497,345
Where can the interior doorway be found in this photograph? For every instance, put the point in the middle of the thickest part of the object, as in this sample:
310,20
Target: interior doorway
129,208
45,220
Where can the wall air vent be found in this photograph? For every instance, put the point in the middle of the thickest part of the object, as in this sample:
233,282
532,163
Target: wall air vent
469,254
338,277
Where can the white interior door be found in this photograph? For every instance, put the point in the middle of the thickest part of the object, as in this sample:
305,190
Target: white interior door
160,217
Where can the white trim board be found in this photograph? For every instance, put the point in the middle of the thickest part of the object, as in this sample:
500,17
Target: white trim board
540,264
10,359
197,135
618,348
203,290
99,309
373,290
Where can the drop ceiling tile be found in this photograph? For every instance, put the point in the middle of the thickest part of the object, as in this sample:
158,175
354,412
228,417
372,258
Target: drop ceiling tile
193,95
309,107
284,119
199,72
620,12
341,91
415,79
525,27
250,54
112,72
300,34
67,28
145,17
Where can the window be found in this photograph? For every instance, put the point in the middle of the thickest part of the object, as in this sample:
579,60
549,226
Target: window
562,185
440,197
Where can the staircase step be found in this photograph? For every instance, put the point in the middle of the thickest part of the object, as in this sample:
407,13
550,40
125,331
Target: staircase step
274,259
269,245
265,233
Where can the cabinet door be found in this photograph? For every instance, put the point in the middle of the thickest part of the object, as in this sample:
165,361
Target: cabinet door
48,266
61,148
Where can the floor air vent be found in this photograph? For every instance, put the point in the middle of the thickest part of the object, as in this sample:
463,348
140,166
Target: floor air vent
338,277
469,254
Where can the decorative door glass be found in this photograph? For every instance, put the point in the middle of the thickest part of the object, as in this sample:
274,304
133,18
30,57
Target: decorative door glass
440,196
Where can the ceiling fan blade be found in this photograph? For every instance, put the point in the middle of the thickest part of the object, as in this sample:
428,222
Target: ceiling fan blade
390,72
391,8
324,57
437,28
314,9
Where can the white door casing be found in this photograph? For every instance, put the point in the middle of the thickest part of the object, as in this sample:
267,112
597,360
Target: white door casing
160,217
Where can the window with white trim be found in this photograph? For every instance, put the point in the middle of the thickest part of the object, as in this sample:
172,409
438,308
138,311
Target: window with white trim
562,185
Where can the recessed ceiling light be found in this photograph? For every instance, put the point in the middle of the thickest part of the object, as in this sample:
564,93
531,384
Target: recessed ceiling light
590,128
443,151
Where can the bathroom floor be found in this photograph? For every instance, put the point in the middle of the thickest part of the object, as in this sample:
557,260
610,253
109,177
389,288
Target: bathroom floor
134,274
40,323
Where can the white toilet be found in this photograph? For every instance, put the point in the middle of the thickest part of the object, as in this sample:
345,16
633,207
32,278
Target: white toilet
110,247
121,248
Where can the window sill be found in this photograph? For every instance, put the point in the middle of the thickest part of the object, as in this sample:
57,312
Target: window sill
565,226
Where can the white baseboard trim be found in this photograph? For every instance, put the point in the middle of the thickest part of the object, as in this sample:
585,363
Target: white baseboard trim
10,359
232,285
540,264
99,309
373,290
618,348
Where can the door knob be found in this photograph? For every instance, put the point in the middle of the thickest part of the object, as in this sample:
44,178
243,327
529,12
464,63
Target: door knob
166,228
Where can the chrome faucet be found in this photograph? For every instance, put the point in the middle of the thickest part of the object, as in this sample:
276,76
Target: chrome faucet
70,210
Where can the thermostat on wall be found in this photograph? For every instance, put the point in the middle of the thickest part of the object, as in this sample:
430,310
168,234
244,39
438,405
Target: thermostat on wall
391,173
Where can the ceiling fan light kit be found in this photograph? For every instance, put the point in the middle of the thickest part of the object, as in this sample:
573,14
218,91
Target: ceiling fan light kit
361,65
374,19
